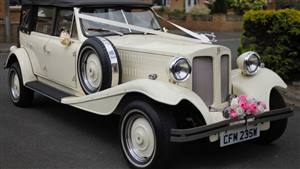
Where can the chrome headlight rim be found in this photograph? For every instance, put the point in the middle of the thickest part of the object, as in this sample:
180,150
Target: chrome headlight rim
247,63
173,65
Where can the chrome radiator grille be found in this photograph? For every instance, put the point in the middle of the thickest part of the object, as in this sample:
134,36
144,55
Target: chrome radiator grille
203,78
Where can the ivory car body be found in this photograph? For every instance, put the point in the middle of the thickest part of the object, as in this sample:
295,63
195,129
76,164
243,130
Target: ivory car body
108,57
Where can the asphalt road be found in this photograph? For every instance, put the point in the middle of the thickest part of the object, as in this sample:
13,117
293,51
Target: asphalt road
50,135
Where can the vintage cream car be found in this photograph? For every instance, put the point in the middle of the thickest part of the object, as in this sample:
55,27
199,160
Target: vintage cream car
112,56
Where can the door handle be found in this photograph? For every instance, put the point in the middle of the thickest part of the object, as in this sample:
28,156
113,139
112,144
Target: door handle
46,50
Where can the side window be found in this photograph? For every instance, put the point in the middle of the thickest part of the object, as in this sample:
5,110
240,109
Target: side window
25,23
44,22
64,23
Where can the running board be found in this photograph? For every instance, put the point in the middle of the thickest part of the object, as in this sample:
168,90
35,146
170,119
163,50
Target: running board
47,91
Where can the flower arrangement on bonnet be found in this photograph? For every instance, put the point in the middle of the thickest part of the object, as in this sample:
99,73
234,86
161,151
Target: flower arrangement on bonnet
243,106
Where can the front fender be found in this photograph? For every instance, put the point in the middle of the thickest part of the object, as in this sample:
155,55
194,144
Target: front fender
258,86
20,55
106,102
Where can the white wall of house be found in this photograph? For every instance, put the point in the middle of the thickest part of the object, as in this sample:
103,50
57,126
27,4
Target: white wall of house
167,3
189,4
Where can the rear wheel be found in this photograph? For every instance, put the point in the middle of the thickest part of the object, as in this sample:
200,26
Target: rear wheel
277,128
19,94
145,135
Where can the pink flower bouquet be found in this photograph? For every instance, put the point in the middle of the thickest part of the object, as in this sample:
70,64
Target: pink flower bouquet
242,106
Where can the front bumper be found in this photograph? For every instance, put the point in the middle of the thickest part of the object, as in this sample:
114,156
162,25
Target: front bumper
192,134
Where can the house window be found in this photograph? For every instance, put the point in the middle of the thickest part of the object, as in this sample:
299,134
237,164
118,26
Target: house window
167,3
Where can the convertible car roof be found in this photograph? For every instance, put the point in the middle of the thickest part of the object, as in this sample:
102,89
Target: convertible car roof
78,3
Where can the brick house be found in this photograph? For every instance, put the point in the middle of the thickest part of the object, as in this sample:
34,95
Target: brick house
2,8
183,5
187,5
14,20
278,4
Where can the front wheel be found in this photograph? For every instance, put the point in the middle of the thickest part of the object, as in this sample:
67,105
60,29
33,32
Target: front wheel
145,135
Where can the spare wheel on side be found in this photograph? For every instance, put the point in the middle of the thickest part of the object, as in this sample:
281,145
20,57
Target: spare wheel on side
98,65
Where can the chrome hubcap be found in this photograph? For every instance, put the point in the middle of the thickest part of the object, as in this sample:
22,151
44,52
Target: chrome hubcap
91,71
139,139
15,85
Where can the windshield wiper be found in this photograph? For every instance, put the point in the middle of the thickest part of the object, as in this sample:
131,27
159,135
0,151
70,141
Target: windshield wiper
107,30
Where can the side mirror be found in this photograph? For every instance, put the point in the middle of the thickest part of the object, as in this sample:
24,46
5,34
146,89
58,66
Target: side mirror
65,38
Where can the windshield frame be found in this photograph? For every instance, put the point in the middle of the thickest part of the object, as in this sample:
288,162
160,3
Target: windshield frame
126,33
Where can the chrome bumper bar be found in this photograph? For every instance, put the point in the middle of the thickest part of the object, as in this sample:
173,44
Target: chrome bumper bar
192,134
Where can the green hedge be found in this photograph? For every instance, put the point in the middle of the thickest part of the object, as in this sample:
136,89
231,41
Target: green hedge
275,35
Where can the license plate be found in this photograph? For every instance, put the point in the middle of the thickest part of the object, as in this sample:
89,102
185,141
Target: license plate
238,135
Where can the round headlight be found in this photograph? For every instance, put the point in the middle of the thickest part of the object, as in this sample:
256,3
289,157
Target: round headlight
180,69
249,63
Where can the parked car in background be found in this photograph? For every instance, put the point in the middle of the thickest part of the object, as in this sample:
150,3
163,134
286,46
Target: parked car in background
113,56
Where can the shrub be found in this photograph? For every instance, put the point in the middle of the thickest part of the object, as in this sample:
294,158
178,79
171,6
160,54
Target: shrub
177,14
230,3
219,6
275,36
200,10
241,6
162,10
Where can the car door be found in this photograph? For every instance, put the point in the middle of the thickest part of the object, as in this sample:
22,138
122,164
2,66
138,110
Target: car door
35,42
61,60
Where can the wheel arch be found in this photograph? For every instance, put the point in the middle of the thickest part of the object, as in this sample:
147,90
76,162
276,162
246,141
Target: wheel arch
276,99
12,58
20,55
185,113
259,86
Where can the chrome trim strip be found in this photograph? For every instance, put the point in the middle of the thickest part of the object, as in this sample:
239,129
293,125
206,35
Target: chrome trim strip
113,60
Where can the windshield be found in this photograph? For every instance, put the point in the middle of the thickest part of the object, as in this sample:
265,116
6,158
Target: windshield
142,17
